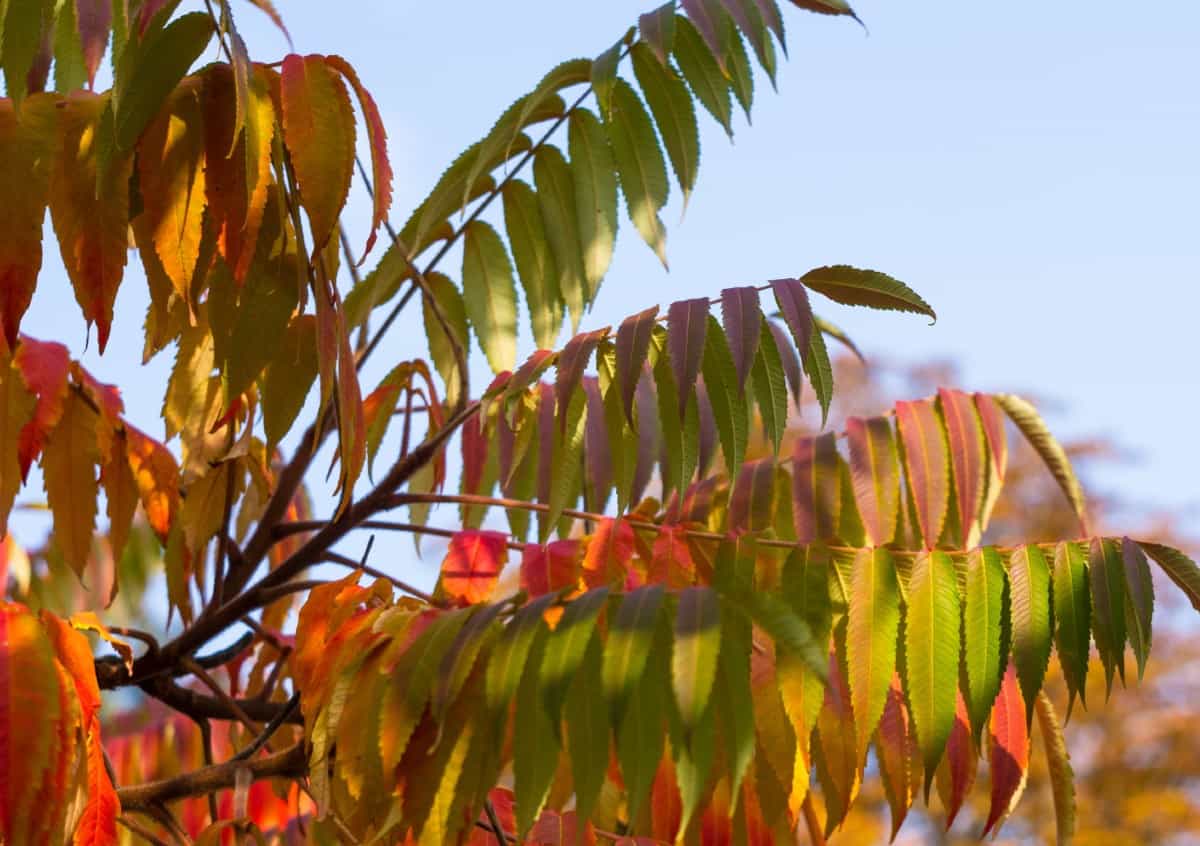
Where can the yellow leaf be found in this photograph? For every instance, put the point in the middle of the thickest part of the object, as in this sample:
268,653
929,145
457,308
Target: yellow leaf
69,471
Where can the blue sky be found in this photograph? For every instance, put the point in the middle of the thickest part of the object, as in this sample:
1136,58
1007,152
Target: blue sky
1030,170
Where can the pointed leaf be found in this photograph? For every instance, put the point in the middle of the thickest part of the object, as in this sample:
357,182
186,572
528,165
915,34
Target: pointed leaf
983,621
640,165
851,286
871,633
931,654
1029,580
966,458
702,70
816,494
69,469
687,324
627,648
1072,617
490,295
1139,602
790,358
674,114
595,195
1178,567
1107,580
633,345
956,774
472,565
770,387
1009,750
534,258
875,471
694,658
728,401
928,469
657,29
565,649
897,753
1058,762
441,349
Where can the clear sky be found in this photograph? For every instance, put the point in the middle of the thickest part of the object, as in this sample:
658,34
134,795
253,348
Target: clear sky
1030,169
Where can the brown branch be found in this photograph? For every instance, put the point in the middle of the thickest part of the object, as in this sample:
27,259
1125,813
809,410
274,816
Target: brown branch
141,831
290,763
197,705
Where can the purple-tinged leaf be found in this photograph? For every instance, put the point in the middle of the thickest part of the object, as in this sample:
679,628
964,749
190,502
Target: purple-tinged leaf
707,440
529,372
790,359
853,286
742,316
797,313
572,361
545,440
707,16
752,504
597,461
474,455
1139,602
966,458
992,421
925,460
633,343
648,436
875,474
816,493
94,19
773,19
827,7
687,322
658,30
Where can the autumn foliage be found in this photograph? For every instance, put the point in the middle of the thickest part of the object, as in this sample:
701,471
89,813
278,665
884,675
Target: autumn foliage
664,614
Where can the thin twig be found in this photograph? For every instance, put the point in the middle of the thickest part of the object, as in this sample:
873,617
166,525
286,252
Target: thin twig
334,558
141,831
220,692
260,742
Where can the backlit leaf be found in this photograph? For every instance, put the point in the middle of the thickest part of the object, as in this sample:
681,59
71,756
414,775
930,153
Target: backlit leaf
1178,567
157,477
730,408
694,658
318,128
442,339
835,754
897,753
1072,617
871,635
640,165
931,654
472,564
490,295
1062,778
928,469
1139,602
1009,750
983,621
1106,577
595,195
674,114
851,286
816,495
1029,580
657,29
687,323
69,468
556,194
819,371
627,648
534,260
702,70
875,472
965,435
770,387
565,649
956,774
1047,446
633,344
16,408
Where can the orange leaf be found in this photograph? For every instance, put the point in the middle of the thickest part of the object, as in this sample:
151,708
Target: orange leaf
835,752
381,170
555,829
24,148
157,477
121,498
609,551
1009,756
172,179
108,402
90,218
898,754
75,654
472,565
318,128
98,826
671,560
29,742
44,366
69,473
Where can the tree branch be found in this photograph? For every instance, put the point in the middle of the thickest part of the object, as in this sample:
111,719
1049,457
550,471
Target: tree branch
290,763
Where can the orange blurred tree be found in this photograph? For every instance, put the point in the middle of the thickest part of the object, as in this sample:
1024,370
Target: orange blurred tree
718,618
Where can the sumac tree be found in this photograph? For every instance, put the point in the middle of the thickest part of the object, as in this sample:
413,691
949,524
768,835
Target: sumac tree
712,620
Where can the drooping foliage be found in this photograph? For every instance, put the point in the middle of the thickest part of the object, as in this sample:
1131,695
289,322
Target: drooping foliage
664,616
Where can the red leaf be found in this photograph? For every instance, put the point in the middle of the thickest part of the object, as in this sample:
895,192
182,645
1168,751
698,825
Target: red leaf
24,148
1009,755
318,128
474,455
671,559
572,361
472,565
44,367
633,343
875,472
687,322
545,569
925,458
596,447
98,826
706,15
956,773
752,505
742,318
898,754
966,456
381,169
993,427
555,829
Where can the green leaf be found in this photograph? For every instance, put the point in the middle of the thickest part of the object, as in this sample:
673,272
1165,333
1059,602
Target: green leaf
703,73
556,194
694,658
983,621
475,635
671,105
490,295
826,7
1058,762
1139,602
1047,446
535,261
70,68
852,286
290,377
587,732
727,399
781,622
1107,580
640,740
20,38
1072,618
640,165
1029,581
511,654
627,649
750,21
820,372
568,456
535,745
151,70
657,29
604,77
737,63
770,387
931,650
595,195
873,621
680,442
1178,567
735,705
441,348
